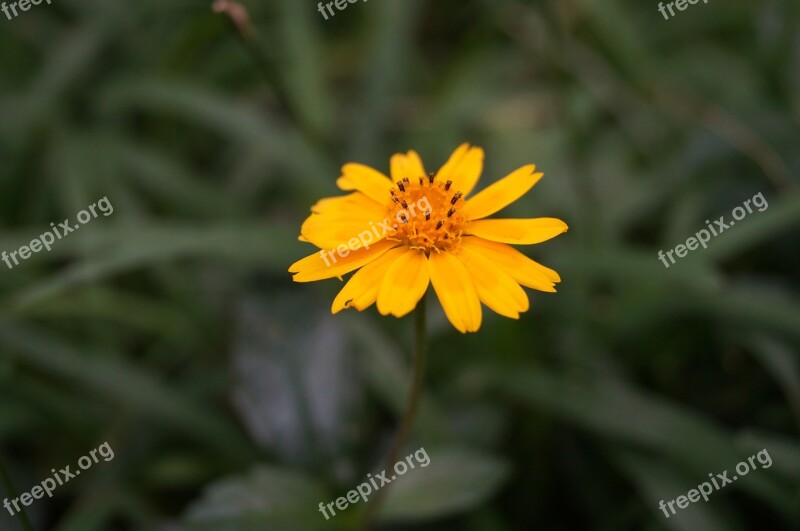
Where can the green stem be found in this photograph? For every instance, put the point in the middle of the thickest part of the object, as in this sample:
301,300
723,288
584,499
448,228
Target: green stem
12,493
406,425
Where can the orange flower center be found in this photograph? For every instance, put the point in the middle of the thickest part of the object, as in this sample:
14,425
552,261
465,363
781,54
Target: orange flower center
427,214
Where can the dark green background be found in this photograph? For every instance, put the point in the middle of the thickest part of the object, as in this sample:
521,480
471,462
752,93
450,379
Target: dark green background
233,399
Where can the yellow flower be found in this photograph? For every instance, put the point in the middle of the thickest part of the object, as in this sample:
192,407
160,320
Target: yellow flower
418,228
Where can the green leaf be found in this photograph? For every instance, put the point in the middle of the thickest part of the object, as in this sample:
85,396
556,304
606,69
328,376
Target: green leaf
657,482
266,498
297,388
454,481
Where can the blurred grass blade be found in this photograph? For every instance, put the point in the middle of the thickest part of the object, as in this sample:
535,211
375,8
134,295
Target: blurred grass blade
614,410
657,482
124,385
134,247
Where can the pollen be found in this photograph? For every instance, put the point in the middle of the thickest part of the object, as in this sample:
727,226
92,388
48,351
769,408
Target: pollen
427,214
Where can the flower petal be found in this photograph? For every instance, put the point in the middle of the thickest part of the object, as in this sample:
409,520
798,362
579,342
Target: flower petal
329,263
347,203
496,288
338,220
327,234
370,182
362,288
405,283
456,291
502,193
464,168
517,231
408,165
527,272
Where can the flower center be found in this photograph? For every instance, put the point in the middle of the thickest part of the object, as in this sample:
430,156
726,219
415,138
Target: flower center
427,214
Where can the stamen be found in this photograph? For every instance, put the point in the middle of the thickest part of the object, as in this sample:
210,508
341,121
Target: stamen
440,231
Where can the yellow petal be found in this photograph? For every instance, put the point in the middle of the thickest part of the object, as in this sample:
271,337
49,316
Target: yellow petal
408,165
404,284
335,263
327,233
456,291
517,231
362,288
495,287
370,182
527,272
502,193
338,220
464,168
340,205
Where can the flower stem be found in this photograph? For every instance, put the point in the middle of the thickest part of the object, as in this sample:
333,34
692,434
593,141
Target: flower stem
406,425
12,493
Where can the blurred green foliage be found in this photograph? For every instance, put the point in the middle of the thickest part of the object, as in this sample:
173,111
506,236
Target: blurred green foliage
231,397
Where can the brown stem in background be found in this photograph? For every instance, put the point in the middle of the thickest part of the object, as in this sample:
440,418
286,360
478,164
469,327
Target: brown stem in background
237,15
240,21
